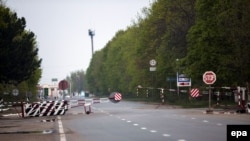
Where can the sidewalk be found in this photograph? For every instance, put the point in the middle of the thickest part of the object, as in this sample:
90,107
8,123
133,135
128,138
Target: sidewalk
14,128
215,109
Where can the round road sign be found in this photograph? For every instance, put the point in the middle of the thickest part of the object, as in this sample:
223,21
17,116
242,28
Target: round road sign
152,62
15,92
209,77
63,85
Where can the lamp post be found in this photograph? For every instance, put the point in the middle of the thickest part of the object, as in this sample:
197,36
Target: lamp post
91,34
177,75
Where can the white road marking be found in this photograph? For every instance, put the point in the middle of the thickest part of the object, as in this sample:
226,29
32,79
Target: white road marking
219,124
166,135
153,131
135,124
205,121
61,131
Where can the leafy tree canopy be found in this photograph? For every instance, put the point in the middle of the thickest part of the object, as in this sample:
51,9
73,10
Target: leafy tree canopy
202,34
18,51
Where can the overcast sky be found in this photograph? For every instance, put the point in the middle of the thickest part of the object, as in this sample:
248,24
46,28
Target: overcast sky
61,29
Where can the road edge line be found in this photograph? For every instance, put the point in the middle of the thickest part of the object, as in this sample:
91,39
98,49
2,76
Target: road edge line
61,131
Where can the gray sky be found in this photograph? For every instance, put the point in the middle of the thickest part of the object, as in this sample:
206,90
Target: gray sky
61,28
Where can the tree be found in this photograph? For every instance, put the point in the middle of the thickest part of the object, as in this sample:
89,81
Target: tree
220,42
18,51
77,81
159,34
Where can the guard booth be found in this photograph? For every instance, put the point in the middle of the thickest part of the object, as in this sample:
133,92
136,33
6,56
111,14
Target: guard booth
242,99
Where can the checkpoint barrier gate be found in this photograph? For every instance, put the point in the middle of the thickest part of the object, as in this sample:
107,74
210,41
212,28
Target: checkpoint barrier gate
53,108
86,102
114,97
38,109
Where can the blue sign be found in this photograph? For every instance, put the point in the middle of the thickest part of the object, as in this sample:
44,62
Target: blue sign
183,80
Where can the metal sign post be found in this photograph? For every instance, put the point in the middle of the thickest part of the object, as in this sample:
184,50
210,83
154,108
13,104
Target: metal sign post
63,85
209,77
152,68
182,81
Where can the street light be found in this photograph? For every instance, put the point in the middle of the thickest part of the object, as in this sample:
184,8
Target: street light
91,34
177,75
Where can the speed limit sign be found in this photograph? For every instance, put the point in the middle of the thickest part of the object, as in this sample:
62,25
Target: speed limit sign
209,77
152,62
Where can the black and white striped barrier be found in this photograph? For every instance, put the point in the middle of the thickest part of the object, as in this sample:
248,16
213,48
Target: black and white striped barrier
46,108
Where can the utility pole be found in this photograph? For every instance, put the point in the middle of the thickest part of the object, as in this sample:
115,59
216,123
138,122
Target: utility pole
91,34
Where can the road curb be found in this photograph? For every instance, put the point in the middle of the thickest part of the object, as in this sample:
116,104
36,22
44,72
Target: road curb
221,112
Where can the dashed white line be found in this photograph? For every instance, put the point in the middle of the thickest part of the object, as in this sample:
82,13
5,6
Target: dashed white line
205,121
166,135
61,131
135,124
219,124
181,140
153,131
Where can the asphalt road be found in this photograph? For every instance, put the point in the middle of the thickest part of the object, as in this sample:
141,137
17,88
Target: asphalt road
124,121
133,121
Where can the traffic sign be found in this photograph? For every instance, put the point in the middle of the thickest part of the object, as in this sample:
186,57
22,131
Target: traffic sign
152,69
15,92
63,85
209,77
194,92
183,80
152,62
